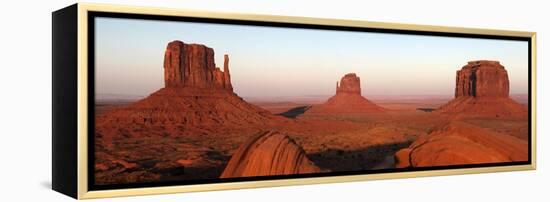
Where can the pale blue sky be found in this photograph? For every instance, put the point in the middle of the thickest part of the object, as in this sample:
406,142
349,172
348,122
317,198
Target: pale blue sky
268,61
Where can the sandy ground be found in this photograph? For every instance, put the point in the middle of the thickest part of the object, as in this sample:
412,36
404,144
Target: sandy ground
344,142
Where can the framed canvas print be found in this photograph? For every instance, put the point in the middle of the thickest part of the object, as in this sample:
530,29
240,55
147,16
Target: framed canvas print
156,100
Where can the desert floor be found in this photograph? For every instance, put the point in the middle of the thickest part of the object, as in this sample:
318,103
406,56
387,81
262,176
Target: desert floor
336,142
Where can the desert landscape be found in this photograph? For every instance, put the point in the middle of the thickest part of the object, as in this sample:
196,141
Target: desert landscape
196,127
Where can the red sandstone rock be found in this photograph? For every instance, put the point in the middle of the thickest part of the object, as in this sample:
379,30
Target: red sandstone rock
219,79
192,65
402,158
270,153
173,125
496,107
460,144
348,99
350,83
187,106
482,89
226,76
101,167
482,79
174,61
125,164
197,94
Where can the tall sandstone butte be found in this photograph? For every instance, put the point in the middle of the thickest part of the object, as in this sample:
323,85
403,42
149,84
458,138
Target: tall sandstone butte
482,78
196,95
197,101
350,83
192,65
269,153
482,89
348,99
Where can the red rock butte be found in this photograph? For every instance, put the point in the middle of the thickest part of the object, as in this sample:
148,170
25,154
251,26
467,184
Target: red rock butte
192,65
482,78
348,99
350,83
269,153
196,93
460,143
482,89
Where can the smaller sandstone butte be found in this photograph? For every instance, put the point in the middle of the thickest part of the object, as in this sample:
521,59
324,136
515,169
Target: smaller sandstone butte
460,143
192,65
482,89
269,153
348,99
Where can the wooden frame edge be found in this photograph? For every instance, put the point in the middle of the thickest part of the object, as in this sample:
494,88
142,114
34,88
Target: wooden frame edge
297,19
85,193
293,182
533,100
82,101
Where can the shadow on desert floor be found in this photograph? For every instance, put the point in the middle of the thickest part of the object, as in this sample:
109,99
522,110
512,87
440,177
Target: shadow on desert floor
374,157
296,111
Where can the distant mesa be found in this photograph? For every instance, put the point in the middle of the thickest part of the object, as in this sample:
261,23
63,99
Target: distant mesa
196,93
348,99
482,89
269,153
460,143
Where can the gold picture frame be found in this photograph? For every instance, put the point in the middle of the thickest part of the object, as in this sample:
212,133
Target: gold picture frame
75,20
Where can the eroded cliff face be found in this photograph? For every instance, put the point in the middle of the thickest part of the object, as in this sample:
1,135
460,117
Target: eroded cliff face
482,78
482,89
269,153
350,84
192,65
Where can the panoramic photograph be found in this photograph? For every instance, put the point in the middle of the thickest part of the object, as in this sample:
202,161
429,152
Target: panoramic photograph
190,101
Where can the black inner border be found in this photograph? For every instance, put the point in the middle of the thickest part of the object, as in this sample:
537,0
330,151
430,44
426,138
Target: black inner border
91,96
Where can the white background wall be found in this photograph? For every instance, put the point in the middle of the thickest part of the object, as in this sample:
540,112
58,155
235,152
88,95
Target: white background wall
25,103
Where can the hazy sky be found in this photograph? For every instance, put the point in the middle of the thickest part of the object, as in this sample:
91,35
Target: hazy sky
267,61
